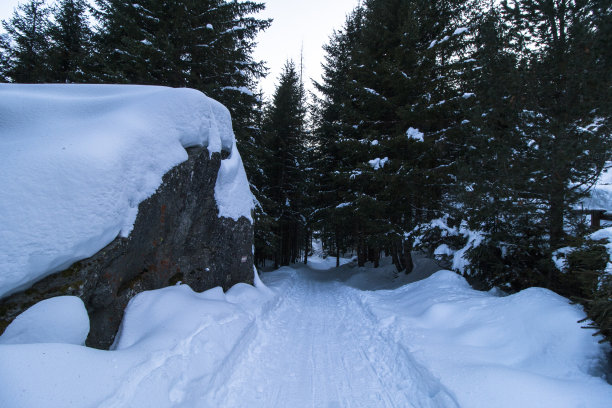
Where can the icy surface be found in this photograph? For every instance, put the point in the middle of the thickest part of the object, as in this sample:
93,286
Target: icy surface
78,159
306,336
61,319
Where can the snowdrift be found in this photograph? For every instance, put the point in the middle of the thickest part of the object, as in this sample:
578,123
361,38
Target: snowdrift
181,348
78,159
600,197
173,345
522,350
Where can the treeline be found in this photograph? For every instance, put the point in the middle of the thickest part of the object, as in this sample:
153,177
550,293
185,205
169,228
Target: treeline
495,117
201,44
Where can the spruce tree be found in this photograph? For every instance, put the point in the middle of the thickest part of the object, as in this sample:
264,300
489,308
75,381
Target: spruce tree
335,129
70,42
24,47
284,137
402,81
567,102
201,44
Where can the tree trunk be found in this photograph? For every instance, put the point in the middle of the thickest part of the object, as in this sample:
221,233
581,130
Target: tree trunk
555,218
407,252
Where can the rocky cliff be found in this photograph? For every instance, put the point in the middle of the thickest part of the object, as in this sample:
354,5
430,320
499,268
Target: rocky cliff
177,237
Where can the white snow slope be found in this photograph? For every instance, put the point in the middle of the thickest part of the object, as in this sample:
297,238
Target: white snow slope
601,194
307,339
76,160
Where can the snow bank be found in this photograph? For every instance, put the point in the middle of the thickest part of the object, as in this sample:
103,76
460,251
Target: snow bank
173,347
61,319
601,194
78,159
523,350
423,341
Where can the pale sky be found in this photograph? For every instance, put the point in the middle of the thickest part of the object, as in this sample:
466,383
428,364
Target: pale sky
297,23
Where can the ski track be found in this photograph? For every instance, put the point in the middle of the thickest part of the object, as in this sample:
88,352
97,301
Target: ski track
320,347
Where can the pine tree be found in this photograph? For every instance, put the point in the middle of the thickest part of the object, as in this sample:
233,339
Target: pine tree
402,80
201,44
284,137
335,128
24,47
70,42
530,152
568,101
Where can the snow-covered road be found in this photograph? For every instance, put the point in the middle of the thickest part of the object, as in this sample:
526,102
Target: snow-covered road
319,347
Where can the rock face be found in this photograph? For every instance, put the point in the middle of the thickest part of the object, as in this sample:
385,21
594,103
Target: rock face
177,237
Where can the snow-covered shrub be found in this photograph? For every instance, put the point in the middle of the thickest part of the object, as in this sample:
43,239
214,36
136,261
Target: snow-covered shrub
599,309
587,280
440,239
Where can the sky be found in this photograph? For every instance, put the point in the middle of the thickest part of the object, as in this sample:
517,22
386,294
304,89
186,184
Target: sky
298,24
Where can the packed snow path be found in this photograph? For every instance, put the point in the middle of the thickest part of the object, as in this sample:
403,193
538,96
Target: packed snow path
319,347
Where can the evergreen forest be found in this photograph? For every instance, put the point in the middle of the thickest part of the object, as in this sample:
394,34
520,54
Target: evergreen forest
449,127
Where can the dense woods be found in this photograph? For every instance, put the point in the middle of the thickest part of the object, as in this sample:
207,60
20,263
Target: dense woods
438,125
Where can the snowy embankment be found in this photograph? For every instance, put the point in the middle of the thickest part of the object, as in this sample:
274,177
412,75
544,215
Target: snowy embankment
601,195
173,345
307,339
77,160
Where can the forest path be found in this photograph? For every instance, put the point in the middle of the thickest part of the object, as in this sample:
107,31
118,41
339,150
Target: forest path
320,347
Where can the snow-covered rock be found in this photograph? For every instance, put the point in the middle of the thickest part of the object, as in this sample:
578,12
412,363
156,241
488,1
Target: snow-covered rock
78,160
88,164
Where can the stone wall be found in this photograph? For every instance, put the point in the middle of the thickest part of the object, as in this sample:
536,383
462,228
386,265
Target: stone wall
177,237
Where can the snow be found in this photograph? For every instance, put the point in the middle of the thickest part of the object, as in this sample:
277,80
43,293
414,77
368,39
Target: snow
605,234
522,350
78,159
241,89
378,163
315,336
414,134
460,261
559,257
61,319
444,249
600,197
